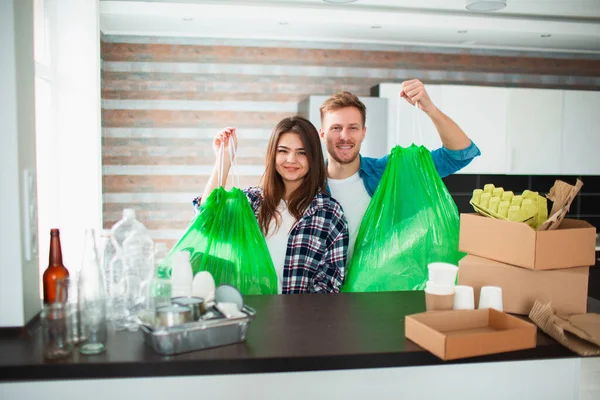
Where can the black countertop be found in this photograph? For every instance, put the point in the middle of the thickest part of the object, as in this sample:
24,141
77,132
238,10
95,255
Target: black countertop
289,333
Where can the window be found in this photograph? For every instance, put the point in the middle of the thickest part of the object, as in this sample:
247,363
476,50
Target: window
44,130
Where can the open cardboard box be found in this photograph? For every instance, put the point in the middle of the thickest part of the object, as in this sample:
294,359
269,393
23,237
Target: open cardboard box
455,334
566,289
573,244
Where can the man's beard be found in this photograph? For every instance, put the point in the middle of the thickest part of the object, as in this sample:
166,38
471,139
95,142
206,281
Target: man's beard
331,149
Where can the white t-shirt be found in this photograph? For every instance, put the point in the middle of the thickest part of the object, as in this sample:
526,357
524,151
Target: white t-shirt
277,241
354,199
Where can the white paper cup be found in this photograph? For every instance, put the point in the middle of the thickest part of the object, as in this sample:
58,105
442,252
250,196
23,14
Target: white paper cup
432,288
491,297
441,273
464,298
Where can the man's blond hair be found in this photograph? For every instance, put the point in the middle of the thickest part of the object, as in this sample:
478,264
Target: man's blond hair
343,100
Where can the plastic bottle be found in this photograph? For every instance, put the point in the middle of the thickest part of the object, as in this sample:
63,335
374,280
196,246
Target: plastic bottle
138,255
117,270
182,275
125,227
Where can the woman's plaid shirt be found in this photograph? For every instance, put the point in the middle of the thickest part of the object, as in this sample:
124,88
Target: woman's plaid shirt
315,259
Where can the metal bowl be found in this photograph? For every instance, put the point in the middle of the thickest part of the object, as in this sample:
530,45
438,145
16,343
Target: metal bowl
173,315
196,304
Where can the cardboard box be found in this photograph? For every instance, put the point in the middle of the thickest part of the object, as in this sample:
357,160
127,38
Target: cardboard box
468,333
573,244
566,289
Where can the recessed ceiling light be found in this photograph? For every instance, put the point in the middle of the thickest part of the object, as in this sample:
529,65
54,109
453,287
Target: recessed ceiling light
545,35
188,19
376,27
464,31
485,5
283,23
339,1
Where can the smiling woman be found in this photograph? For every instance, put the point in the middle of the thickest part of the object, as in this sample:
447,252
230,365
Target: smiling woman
305,230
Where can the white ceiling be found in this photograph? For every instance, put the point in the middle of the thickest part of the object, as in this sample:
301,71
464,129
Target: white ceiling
574,25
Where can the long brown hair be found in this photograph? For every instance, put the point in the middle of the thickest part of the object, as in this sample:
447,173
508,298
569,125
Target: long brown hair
272,183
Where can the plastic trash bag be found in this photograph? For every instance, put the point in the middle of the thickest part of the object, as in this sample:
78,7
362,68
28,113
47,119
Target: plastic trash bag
225,239
411,221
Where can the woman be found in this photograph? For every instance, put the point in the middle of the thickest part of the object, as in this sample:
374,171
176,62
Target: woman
305,230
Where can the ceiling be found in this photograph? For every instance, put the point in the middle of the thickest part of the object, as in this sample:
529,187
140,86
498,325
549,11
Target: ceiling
544,25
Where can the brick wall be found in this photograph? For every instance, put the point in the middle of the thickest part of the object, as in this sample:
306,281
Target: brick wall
163,99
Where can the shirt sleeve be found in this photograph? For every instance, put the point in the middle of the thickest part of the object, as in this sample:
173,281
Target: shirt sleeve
448,162
331,271
252,193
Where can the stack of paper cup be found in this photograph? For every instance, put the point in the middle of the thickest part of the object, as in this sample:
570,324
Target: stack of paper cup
439,289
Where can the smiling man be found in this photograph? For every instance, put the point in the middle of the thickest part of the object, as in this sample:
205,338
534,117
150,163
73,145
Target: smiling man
352,178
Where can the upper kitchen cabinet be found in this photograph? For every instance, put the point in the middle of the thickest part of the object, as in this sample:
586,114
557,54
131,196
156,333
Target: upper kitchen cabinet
481,112
534,131
375,143
581,133
407,124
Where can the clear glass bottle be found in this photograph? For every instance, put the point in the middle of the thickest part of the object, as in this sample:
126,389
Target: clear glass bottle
92,299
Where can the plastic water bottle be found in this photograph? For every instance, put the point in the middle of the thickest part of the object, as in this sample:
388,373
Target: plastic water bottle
125,227
116,269
138,255
105,253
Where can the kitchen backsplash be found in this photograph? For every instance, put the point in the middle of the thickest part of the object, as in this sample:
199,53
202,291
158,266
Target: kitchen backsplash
586,206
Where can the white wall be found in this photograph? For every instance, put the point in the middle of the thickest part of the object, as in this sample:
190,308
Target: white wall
76,155
75,53
19,296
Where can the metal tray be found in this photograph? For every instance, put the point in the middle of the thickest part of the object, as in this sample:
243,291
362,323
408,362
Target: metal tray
198,335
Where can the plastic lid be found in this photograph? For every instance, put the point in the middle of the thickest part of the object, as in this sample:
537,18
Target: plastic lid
129,213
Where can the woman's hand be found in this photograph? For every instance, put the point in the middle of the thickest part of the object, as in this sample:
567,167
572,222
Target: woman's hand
224,137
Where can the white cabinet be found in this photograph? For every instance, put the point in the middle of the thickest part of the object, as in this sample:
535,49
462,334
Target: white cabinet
534,131
375,143
481,112
519,131
581,133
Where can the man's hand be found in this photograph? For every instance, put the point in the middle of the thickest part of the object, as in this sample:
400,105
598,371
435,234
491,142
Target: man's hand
414,91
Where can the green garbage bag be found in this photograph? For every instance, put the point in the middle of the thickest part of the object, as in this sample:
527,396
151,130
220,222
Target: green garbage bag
224,239
411,221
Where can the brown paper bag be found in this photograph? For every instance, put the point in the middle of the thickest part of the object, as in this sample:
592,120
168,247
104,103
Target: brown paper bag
578,332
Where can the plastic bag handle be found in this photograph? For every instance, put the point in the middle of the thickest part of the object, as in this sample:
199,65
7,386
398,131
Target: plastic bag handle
416,124
234,166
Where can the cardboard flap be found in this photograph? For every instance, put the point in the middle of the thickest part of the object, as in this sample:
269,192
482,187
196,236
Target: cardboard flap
576,339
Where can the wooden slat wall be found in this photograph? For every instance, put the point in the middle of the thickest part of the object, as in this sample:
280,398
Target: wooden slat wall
163,102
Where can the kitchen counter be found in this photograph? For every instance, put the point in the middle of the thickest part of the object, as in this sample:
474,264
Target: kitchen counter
288,334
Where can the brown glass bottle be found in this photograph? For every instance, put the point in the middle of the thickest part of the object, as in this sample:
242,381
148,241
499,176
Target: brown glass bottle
56,269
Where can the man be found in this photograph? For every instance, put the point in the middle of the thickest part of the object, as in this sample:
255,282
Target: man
352,179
